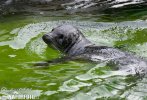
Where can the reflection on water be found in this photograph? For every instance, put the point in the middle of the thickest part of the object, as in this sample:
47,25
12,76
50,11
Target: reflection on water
21,45
106,10
74,80
71,4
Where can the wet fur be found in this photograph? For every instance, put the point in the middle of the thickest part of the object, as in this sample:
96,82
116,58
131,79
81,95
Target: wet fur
74,44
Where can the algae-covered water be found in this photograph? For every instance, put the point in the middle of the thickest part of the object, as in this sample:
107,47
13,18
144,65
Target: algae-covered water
21,45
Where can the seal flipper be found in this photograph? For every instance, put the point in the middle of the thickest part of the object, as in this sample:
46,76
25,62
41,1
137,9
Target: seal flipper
46,64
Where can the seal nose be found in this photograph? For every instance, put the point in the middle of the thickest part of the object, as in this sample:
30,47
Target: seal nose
46,38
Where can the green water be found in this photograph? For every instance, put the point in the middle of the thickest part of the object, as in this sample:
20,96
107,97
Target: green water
21,46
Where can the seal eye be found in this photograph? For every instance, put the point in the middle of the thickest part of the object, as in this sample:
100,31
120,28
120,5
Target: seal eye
53,29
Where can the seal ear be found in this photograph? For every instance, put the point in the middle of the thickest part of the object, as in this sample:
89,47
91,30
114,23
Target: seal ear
66,41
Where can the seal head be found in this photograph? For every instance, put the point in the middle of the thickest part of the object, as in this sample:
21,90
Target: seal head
67,39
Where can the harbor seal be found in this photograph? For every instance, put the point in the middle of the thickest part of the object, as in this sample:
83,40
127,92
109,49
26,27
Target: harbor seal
70,41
